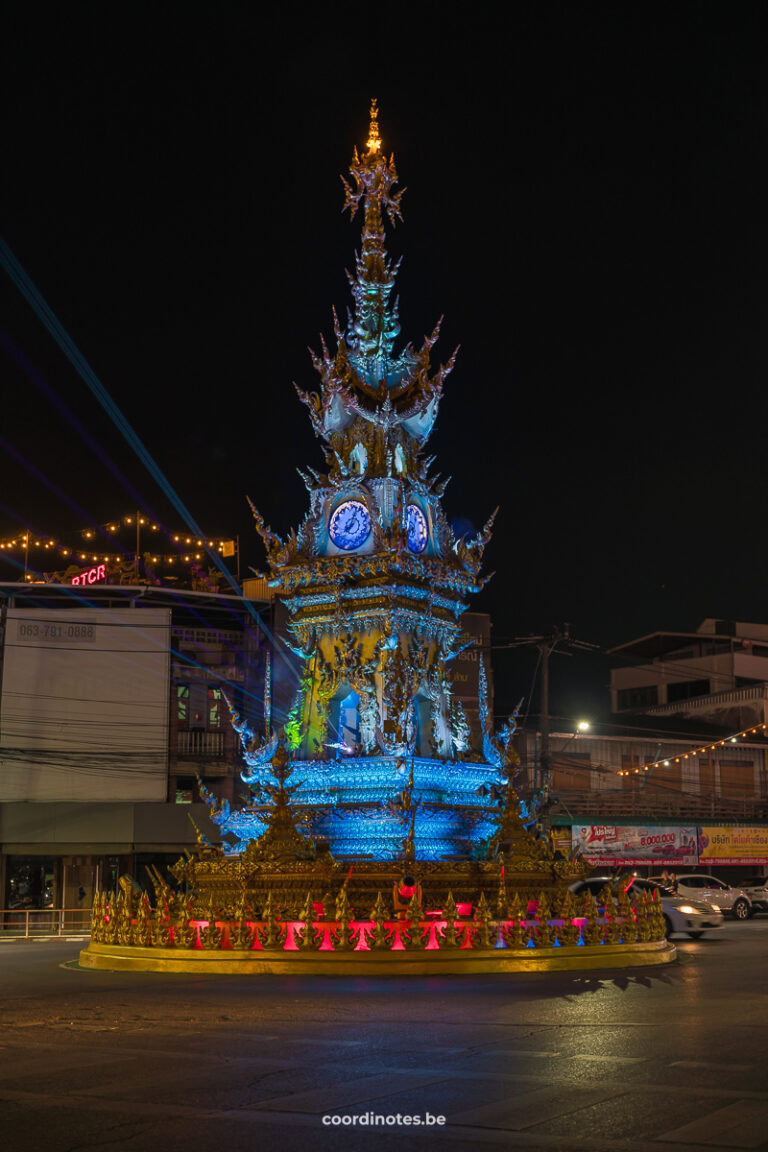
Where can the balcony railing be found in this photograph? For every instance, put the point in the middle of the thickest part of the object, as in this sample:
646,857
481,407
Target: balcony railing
652,805
712,701
206,745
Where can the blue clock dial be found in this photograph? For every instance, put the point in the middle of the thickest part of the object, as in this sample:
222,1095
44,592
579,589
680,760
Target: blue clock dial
350,525
416,527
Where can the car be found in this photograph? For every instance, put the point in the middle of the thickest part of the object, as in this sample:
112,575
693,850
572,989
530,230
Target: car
727,899
681,914
756,887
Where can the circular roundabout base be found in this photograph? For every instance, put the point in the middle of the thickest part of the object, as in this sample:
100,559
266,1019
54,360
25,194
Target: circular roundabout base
437,962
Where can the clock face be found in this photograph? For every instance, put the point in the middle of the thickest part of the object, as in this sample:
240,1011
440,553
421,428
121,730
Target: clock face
416,527
350,525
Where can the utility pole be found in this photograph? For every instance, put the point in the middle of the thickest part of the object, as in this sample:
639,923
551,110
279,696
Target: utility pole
559,640
544,767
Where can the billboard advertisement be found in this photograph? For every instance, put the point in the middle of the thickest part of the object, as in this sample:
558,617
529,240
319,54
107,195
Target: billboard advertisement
733,845
615,845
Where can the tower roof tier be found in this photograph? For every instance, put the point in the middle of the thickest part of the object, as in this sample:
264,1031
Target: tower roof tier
364,383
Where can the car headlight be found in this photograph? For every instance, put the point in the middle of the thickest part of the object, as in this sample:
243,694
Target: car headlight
689,910
715,907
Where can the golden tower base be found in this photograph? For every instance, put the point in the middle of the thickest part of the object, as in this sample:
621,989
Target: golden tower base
459,962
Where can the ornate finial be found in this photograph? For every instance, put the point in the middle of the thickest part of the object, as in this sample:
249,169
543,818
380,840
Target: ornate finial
374,140
281,840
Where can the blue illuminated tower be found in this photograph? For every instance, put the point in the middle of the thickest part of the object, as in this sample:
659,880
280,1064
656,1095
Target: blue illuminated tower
375,583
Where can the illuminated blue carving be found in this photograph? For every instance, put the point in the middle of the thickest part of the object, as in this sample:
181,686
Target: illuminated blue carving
416,527
350,525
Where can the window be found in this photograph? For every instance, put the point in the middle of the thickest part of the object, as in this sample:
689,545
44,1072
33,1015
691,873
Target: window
737,778
643,697
186,789
215,698
30,882
571,772
686,689
182,703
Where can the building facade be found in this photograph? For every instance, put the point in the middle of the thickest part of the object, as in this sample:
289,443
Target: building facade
717,675
113,702
681,775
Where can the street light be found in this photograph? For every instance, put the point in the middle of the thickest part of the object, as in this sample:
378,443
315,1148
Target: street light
583,726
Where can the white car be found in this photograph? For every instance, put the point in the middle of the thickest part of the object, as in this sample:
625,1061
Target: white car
756,887
681,914
698,886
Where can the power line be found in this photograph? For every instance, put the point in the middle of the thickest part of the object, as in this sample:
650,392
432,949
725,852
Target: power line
78,361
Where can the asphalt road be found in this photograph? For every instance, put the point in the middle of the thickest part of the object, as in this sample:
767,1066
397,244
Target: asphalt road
667,1058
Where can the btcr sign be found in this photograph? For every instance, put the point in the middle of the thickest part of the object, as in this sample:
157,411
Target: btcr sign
92,576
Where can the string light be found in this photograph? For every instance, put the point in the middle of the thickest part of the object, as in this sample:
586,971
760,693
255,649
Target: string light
758,730
112,527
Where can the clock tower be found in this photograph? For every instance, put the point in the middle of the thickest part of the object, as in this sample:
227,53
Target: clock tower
375,583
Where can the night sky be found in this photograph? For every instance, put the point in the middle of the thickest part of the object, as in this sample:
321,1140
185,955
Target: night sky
586,205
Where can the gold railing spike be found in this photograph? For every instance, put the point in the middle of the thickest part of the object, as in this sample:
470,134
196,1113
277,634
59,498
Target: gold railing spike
379,915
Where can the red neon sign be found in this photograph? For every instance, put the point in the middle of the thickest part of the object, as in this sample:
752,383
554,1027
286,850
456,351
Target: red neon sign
92,576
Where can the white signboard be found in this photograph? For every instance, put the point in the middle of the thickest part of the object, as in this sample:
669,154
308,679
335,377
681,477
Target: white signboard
85,704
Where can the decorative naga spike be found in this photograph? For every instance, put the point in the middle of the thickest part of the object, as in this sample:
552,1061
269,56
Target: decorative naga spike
379,915
544,934
660,922
160,926
483,920
591,931
514,936
568,933
110,926
269,916
643,918
415,916
627,926
450,937
343,916
502,900
307,914
240,935
97,918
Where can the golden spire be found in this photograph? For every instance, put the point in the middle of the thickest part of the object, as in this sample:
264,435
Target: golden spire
374,140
